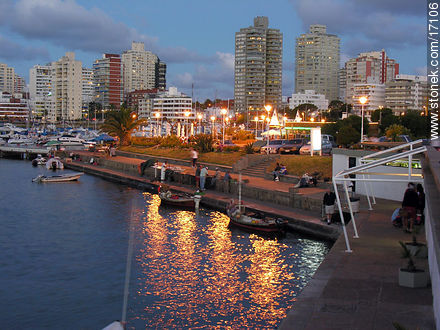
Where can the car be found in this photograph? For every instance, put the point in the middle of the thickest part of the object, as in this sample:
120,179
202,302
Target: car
326,148
292,146
330,139
272,146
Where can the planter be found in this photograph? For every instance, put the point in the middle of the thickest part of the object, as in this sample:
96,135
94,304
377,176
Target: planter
413,279
355,204
422,248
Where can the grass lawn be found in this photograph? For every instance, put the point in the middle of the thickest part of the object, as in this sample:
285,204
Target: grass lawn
300,164
221,158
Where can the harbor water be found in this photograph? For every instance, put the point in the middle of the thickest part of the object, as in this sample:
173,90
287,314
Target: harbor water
64,249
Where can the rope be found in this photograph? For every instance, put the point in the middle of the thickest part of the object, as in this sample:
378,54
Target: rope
128,265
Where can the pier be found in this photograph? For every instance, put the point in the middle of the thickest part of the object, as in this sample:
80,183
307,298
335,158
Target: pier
22,152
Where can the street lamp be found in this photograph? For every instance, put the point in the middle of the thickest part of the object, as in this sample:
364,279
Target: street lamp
256,126
187,130
268,109
213,120
362,100
223,112
157,120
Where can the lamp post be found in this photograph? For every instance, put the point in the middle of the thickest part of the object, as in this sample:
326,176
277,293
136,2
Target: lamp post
223,112
362,100
213,120
187,115
268,109
157,115
199,116
256,126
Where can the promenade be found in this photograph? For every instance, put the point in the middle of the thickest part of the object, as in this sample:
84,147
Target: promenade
357,290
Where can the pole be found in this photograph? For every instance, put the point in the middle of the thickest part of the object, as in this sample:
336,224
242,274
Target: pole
223,139
362,123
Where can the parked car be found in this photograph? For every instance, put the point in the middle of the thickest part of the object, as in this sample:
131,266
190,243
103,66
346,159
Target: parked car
330,139
326,148
273,147
292,146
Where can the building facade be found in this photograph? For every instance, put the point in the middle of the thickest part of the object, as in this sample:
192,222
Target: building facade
317,62
309,96
375,94
258,67
40,89
142,69
14,107
7,78
67,89
368,68
107,73
406,92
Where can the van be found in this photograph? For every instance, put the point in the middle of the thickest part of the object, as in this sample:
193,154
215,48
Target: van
329,139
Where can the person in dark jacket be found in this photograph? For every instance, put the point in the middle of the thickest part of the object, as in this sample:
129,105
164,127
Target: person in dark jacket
421,206
410,203
329,204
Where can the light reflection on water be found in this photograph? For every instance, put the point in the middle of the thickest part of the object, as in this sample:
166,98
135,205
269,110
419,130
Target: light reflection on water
193,271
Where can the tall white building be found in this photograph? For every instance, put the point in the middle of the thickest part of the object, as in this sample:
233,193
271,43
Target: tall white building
66,89
368,68
7,78
142,69
40,89
88,86
317,62
258,68
309,96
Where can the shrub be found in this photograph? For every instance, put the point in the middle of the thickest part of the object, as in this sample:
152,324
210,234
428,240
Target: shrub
347,135
395,130
231,149
249,148
203,142
146,142
171,141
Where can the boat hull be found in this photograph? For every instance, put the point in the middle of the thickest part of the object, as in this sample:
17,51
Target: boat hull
58,178
180,202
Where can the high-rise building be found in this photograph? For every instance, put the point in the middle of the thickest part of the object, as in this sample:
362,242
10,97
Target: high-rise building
7,78
108,80
67,89
142,69
375,94
258,67
88,87
19,84
406,92
317,62
368,68
40,89
310,97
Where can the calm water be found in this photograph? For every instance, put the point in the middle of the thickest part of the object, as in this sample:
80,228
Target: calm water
63,255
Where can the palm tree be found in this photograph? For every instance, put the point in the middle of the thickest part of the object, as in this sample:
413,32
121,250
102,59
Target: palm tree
121,123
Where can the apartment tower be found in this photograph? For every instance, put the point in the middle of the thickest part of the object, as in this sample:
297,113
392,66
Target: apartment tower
107,73
317,62
258,67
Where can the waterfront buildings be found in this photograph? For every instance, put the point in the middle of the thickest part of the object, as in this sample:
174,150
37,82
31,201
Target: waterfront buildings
66,89
13,107
309,96
107,73
40,90
317,62
375,94
258,67
406,92
368,68
142,69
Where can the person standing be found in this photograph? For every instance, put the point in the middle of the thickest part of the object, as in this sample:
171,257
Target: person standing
203,174
194,156
197,175
410,203
329,204
163,170
421,205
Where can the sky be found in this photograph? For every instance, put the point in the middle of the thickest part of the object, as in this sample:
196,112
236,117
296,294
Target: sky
196,38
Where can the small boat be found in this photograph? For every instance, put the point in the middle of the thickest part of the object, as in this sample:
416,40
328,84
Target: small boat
40,160
254,222
58,178
180,200
54,164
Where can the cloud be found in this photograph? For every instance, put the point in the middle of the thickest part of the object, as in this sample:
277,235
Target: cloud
65,23
375,24
11,51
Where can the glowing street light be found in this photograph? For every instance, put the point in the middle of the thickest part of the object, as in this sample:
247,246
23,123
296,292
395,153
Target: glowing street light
256,125
268,108
213,120
199,116
362,100
187,113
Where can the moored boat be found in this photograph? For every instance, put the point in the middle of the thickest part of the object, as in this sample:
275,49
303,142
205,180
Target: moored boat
180,200
253,221
58,178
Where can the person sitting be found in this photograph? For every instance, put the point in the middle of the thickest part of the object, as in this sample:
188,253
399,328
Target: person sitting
303,182
276,172
283,170
232,209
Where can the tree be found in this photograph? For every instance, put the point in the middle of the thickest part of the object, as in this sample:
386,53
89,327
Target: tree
347,135
417,124
394,131
121,123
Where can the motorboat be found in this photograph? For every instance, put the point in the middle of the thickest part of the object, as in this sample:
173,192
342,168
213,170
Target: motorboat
40,160
58,178
54,164
254,221
180,200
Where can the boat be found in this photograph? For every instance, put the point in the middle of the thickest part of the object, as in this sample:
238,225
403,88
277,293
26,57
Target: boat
58,178
54,164
254,221
40,160
180,200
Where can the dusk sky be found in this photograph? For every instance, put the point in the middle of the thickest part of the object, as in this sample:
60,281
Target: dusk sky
196,37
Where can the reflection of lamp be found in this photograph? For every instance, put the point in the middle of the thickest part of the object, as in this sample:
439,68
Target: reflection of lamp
157,115
362,100
223,112
213,120
199,116
268,108
187,115
256,125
